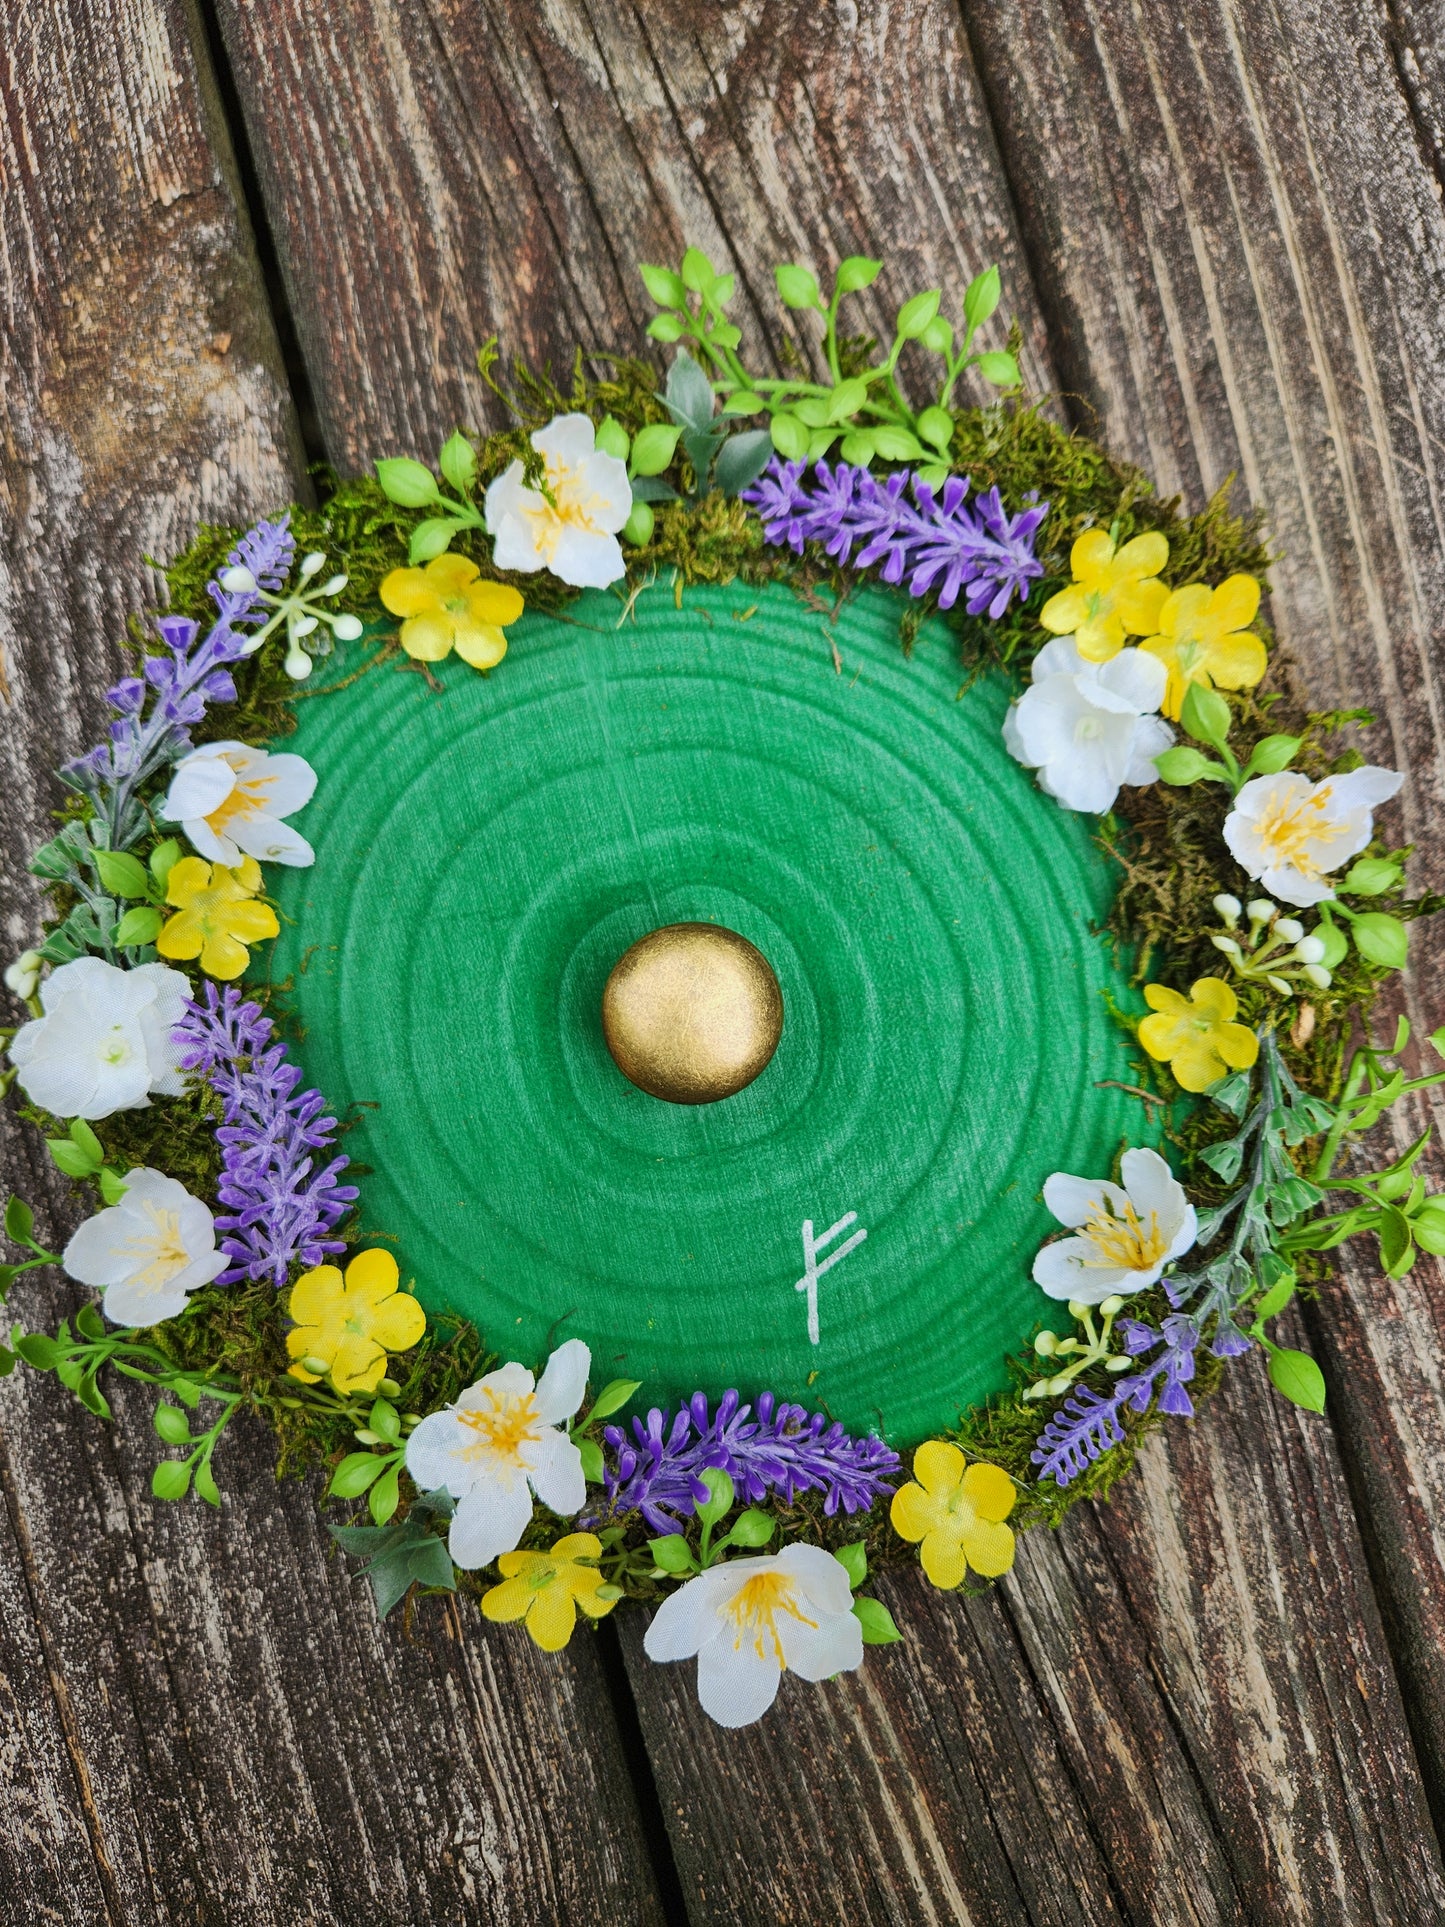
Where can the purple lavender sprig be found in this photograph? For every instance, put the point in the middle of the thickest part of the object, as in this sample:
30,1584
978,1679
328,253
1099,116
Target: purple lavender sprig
180,685
923,539
1088,1423
280,1206
784,1449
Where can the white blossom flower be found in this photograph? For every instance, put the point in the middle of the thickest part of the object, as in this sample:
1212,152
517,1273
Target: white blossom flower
1289,832
230,799
24,974
148,1251
104,1042
749,1619
575,533
1127,1234
1088,727
498,1445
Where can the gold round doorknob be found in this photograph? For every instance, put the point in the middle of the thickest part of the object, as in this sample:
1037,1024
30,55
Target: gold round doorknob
692,1013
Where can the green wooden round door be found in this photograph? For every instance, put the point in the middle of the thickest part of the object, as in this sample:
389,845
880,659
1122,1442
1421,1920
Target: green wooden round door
854,1229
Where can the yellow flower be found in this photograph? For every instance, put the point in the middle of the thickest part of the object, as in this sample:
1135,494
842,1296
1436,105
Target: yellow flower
348,1328
446,608
546,1588
957,1510
1203,636
1113,594
1196,1036
216,914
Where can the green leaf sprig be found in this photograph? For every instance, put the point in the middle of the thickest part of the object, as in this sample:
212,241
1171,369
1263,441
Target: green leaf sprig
106,881
412,485
608,1401
77,1358
1394,1207
377,1469
1271,1197
860,407
878,1624
1207,717
673,1557
1371,1086
398,1556
81,1156
20,1230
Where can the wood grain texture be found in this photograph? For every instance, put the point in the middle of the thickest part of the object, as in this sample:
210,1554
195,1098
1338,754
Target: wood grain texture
1235,213
503,167
1130,1727
51,1869
1179,1709
140,388
932,1786
1186,1705
139,391
200,1718
261,1749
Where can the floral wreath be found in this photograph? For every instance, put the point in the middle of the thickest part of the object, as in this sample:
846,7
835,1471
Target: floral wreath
1132,632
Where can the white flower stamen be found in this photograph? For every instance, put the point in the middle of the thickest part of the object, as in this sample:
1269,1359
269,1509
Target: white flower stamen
497,1445
1125,1234
1292,834
571,529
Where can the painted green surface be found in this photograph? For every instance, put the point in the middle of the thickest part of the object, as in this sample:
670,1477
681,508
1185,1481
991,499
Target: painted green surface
485,854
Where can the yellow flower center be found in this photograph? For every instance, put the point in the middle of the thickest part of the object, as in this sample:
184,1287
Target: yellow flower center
208,904
1124,1244
1289,824
502,1426
753,1610
570,508
159,1252
246,799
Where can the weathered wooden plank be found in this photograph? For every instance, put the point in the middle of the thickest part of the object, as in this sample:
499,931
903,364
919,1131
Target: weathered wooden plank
49,1850
1256,1618
1236,212
1414,36
1147,1669
125,406
496,188
200,1716
1133,1696
287,1757
936,1784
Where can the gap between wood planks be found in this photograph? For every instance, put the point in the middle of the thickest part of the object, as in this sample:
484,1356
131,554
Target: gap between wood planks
253,207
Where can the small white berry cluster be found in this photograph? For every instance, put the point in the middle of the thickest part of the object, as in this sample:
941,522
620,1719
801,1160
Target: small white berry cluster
301,612
1272,949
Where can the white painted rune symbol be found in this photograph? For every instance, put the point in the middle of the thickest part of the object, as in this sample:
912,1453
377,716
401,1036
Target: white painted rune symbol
813,1271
